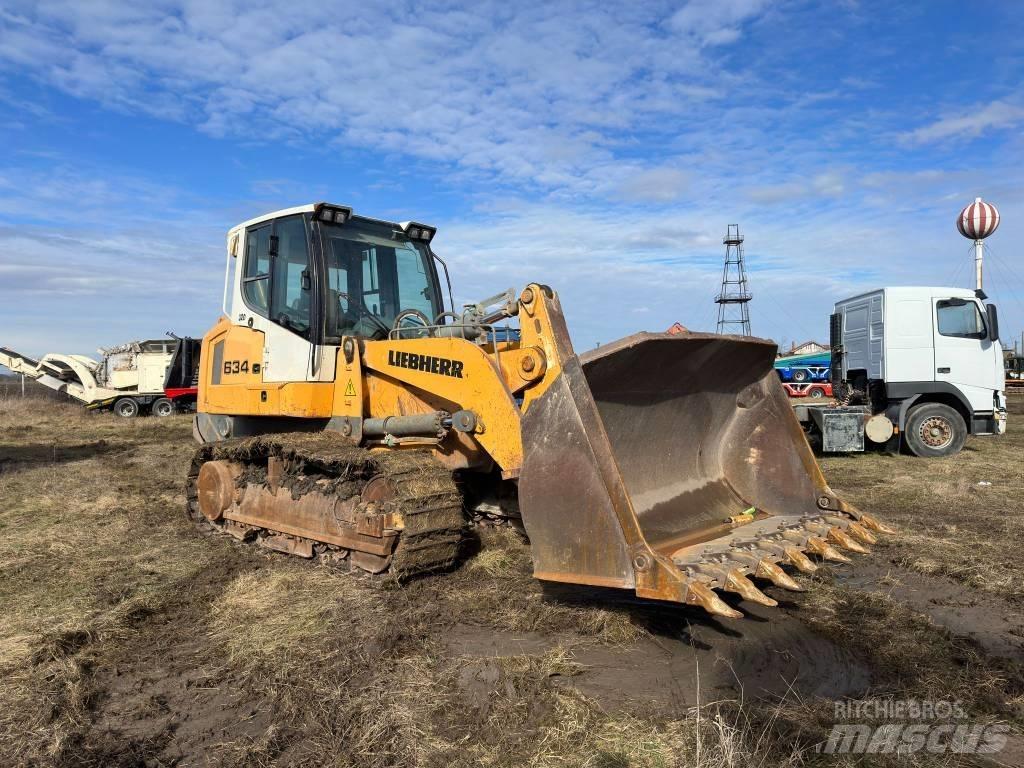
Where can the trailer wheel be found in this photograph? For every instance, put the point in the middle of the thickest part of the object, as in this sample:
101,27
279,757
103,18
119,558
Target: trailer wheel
800,375
816,393
934,430
163,406
127,408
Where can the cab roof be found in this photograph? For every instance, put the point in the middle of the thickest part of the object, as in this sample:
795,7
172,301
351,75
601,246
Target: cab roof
307,208
918,290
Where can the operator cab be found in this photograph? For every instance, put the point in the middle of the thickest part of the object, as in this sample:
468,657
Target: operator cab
321,273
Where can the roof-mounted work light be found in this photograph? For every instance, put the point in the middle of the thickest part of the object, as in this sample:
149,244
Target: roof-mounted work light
416,231
331,214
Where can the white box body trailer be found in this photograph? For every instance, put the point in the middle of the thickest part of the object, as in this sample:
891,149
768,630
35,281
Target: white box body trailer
923,364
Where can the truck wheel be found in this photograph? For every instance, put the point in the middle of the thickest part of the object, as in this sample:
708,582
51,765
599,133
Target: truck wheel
816,393
127,408
800,375
163,406
934,430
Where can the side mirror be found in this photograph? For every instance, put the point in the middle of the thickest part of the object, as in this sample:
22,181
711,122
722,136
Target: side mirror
307,280
993,322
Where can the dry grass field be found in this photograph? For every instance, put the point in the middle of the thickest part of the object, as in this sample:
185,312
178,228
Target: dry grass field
129,639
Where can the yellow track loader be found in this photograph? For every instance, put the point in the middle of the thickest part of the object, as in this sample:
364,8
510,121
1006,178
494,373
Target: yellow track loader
345,414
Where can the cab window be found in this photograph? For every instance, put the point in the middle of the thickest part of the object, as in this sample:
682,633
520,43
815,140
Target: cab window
276,280
291,281
959,318
256,276
415,288
372,276
372,297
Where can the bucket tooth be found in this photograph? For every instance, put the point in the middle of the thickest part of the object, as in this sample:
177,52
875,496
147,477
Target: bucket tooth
854,529
862,533
875,524
702,595
745,588
817,528
823,549
770,571
792,553
800,561
841,538
762,566
798,536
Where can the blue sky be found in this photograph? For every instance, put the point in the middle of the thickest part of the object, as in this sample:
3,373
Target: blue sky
600,148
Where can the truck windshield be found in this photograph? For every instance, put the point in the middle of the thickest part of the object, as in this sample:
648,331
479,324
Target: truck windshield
373,274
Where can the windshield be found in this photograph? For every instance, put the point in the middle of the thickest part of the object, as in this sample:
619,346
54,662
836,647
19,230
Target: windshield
373,274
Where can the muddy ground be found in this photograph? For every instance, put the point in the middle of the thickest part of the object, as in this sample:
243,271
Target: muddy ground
128,639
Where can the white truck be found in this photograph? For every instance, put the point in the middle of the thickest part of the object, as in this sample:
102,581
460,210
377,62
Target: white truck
913,367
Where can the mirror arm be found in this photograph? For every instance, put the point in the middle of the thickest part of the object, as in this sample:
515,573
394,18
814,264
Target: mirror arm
447,277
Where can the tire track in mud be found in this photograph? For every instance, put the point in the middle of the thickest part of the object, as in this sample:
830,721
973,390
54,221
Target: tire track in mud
167,689
160,690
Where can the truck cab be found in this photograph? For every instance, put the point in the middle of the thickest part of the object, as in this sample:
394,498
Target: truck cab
926,360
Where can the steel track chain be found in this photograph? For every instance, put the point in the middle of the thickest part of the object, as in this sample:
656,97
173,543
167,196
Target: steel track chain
426,495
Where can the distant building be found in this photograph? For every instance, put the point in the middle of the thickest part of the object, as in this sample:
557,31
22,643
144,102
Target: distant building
807,348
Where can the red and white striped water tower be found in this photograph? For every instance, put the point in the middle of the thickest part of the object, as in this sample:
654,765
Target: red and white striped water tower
976,222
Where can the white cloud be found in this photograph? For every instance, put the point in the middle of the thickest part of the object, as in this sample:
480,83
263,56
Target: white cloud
715,22
656,185
820,186
92,256
600,148
107,278
530,94
969,123
769,194
828,184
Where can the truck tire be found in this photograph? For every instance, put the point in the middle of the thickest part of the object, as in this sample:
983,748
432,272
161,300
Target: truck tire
801,375
816,393
162,406
934,430
127,408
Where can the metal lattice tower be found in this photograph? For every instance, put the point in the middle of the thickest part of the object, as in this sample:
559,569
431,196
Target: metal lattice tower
735,295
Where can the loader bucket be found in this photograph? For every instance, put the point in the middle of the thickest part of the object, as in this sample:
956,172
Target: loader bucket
674,465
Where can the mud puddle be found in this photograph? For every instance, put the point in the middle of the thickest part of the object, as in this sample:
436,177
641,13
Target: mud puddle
993,623
768,655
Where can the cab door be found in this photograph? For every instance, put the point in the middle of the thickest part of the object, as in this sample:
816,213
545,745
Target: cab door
962,349
277,291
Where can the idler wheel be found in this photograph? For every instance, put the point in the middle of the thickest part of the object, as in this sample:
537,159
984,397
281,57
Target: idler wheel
216,487
378,489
